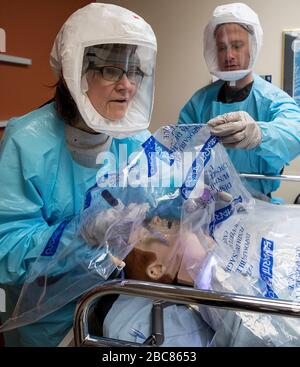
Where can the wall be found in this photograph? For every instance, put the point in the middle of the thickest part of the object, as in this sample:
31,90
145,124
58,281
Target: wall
181,69
31,27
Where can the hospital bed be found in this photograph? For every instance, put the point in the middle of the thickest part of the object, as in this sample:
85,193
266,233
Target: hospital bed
170,293
174,294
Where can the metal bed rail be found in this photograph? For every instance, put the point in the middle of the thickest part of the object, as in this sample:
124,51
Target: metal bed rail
290,178
170,293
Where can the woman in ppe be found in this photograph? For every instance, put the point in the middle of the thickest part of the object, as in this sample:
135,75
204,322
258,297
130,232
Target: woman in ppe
104,57
257,122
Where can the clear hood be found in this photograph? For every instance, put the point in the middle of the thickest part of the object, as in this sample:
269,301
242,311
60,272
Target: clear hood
232,41
93,26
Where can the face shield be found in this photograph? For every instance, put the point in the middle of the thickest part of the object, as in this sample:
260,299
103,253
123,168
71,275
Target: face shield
106,55
112,61
232,40
118,81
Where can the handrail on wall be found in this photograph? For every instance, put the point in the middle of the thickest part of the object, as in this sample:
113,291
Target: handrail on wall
15,59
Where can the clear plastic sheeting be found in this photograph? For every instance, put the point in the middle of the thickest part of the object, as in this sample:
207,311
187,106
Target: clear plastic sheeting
154,184
61,278
252,249
180,199
256,253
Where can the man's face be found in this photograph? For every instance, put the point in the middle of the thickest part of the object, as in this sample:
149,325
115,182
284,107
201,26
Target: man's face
232,43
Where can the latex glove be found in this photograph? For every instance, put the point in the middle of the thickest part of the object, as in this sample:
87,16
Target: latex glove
206,196
236,130
93,229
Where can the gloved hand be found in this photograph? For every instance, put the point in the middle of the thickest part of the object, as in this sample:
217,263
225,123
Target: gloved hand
236,130
93,229
206,196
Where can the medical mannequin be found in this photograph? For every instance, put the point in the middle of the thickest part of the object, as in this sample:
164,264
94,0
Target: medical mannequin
161,254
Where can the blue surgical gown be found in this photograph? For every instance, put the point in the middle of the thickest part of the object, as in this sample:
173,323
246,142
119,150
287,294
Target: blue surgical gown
41,189
278,116
183,327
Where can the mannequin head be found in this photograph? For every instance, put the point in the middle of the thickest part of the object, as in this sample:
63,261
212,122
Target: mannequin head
162,254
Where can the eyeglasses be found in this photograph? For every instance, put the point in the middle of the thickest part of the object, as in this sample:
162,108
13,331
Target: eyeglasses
114,74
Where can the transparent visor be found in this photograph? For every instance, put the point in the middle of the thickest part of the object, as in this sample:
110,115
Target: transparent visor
233,46
125,74
230,51
112,61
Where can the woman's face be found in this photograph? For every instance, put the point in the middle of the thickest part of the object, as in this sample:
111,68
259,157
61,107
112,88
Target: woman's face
110,99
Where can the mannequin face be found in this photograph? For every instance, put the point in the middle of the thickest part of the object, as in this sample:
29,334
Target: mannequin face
155,257
232,42
165,263
145,265
163,255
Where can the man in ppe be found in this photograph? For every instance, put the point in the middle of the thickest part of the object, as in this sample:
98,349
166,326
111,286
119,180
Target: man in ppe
104,57
257,122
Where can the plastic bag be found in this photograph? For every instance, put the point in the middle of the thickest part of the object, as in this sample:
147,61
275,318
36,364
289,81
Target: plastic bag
252,248
180,175
148,186
81,268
